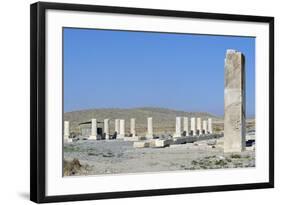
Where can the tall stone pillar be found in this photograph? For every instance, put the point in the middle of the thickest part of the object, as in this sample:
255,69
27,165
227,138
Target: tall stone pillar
66,132
210,126
149,133
117,126
122,128
234,102
106,128
93,135
178,127
193,126
199,128
133,127
185,126
205,131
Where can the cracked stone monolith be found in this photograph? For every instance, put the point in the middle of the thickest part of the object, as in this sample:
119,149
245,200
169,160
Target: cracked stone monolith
234,102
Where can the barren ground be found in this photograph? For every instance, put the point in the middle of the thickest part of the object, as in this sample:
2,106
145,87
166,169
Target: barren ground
118,156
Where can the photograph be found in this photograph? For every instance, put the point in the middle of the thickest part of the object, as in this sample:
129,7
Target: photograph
133,102
150,102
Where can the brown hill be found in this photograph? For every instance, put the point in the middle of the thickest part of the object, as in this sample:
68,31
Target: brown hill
162,117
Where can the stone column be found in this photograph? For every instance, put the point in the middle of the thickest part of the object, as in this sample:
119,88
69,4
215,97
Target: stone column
234,102
106,128
66,132
133,127
205,131
210,126
178,127
93,135
193,126
149,133
122,128
199,128
117,126
185,126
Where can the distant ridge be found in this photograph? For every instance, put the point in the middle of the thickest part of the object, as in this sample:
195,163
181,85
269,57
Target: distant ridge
161,116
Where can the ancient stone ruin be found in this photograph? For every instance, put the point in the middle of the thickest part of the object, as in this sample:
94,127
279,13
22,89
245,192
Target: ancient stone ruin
193,129
234,102
182,134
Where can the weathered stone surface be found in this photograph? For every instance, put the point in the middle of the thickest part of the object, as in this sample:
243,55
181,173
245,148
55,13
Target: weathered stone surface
178,127
180,140
106,128
141,144
66,132
149,134
93,135
151,142
163,142
210,126
186,139
133,127
192,126
185,126
117,126
234,102
122,129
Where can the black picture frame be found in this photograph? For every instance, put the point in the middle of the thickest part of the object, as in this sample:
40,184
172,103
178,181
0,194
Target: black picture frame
38,103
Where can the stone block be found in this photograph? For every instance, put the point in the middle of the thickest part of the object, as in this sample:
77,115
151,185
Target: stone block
141,144
180,140
163,142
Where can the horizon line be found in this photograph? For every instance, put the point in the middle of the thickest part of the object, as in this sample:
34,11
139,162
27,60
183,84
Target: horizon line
151,107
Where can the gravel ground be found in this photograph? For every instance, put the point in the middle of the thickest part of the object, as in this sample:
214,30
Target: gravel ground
118,156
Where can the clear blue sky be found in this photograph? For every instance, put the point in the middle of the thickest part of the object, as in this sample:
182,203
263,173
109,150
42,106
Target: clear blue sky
123,69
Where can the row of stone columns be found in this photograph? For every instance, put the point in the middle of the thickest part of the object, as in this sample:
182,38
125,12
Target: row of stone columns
94,127
195,126
120,127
